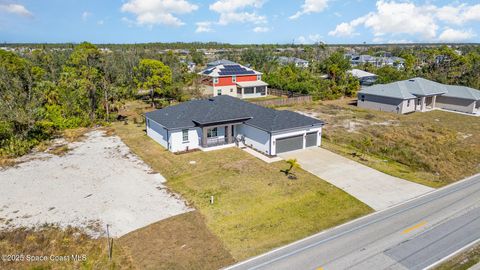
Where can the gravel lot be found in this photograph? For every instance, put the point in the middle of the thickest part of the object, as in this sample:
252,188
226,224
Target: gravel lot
98,182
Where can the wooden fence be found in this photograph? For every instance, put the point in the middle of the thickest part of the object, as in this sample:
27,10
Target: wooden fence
285,98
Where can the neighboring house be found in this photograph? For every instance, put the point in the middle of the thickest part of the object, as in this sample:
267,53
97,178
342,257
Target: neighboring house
365,78
378,62
300,63
226,120
419,94
225,77
191,66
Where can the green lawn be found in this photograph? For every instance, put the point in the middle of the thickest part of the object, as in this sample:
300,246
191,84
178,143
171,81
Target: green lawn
433,148
256,207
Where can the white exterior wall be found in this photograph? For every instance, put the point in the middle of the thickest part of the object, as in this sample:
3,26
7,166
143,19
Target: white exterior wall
455,104
176,140
303,132
157,132
406,108
230,90
254,137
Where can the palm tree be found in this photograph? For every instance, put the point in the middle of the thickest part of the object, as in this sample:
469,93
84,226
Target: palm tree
293,164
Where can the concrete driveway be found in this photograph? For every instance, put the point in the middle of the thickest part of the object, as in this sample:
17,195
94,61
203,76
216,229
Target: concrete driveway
376,189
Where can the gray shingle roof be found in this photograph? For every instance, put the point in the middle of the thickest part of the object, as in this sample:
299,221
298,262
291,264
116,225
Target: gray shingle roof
462,92
226,108
407,89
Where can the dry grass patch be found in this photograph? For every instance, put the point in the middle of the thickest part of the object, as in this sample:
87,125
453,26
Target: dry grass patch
256,207
434,148
462,261
180,242
49,240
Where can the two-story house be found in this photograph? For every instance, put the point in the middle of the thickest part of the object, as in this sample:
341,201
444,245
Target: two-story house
224,77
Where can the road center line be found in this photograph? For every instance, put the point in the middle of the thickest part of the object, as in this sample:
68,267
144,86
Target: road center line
419,225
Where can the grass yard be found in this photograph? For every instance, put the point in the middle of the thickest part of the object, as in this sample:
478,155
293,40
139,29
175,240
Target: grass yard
434,148
462,261
179,242
50,240
256,207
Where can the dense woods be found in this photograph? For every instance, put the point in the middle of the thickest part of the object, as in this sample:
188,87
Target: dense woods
48,88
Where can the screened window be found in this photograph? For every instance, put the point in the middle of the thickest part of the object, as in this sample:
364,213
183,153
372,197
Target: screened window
259,77
261,89
185,135
363,98
211,133
219,92
248,90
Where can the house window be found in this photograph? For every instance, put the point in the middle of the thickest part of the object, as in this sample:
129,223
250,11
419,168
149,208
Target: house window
219,92
234,78
259,77
231,90
261,90
211,133
248,90
363,98
185,135
408,103
215,80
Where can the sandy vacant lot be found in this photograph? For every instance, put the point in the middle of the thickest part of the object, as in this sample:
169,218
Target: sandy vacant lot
98,182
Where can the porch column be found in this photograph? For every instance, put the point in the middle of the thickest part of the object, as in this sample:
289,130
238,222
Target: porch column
204,136
434,100
243,92
422,107
229,133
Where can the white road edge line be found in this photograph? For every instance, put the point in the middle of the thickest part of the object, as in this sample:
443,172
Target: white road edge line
348,223
452,254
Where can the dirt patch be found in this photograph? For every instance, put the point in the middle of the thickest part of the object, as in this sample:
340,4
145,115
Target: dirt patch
97,182
180,242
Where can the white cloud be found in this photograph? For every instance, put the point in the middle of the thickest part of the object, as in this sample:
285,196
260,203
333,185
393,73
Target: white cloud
203,27
393,18
310,6
238,11
261,29
310,39
452,35
101,22
458,14
85,15
16,9
152,12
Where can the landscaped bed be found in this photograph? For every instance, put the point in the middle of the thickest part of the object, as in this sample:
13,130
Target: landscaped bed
433,148
256,207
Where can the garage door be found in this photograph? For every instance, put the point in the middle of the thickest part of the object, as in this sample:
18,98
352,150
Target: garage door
289,144
311,139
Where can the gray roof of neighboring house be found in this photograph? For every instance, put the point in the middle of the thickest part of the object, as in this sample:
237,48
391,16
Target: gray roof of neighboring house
407,89
287,60
223,62
361,73
462,92
226,108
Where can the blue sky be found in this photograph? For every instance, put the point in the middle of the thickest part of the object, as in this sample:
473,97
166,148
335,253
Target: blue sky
239,21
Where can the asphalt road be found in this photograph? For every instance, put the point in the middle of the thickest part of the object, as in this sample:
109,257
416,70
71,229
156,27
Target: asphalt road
413,235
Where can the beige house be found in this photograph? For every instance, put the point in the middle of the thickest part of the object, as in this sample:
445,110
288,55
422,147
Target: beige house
419,94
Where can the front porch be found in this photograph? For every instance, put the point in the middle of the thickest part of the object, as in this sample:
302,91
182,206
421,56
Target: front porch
218,135
252,89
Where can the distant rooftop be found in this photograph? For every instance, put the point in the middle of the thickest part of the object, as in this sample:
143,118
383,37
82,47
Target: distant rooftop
418,87
223,62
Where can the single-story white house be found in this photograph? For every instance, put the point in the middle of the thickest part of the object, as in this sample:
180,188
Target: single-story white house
419,94
226,120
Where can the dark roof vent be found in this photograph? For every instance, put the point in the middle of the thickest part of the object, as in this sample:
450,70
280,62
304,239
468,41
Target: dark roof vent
411,80
211,99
